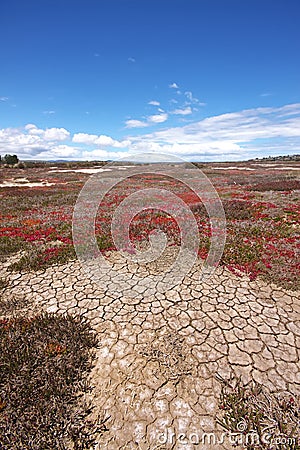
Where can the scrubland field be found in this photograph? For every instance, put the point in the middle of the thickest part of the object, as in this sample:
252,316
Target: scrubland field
222,355
261,203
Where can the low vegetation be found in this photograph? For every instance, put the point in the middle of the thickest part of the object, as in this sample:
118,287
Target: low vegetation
262,211
44,365
257,418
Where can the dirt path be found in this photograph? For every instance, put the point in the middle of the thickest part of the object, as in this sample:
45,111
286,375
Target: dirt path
154,375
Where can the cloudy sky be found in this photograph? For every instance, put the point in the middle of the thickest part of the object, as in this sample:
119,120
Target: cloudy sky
101,79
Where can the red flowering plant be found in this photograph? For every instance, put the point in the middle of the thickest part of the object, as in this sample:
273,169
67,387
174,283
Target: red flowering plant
263,226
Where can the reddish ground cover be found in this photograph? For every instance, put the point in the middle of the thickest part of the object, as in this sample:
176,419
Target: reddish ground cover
262,209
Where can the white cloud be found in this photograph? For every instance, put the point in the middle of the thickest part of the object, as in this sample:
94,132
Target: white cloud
191,99
56,134
158,118
109,141
84,138
122,144
189,95
49,112
31,143
174,86
50,134
184,112
130,59
61,151
266,94
95,154
3,99
187,150
155,118
236,135
154,103
231,135
103,155
102,140
34,130
133,123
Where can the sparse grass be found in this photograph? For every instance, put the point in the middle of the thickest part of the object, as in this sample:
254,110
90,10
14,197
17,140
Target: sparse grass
10,245
37,259
44,366
169,353
257,418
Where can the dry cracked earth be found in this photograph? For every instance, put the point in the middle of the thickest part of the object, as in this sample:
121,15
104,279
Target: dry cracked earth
154,375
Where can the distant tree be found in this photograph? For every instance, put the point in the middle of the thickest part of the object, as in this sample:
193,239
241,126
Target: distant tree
10,159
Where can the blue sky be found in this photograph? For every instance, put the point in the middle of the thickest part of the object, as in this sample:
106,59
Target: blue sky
98,79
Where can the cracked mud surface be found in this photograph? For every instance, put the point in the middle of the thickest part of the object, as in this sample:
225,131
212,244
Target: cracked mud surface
159,353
